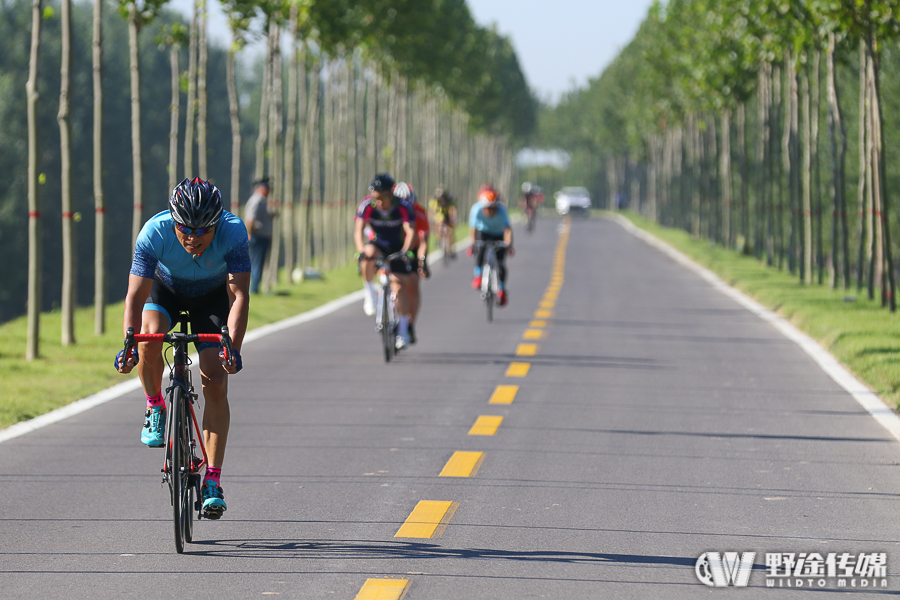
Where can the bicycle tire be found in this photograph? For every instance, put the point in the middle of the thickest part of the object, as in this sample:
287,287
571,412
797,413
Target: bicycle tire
387,327
177,472
488,293
447,247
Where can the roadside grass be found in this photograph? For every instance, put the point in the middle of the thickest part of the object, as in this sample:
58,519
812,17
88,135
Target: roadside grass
64,374
857,331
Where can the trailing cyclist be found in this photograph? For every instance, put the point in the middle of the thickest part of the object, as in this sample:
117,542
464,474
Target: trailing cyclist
404,192
192,257
443,213
488,220
392,225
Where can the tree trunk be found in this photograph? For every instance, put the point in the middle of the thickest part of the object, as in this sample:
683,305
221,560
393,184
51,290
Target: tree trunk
235,130
806,274
816,172
840,258
32,347
889,283
191,108
173,117
742,166
136,164
275,131
259,169
99,209
287,218
861,188
202,49
67,307
725,170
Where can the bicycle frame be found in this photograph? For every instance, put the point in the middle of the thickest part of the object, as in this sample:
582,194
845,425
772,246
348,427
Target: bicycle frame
490,280
386,310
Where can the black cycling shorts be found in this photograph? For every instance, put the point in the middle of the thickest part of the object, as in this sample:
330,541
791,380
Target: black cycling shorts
398,265
208,313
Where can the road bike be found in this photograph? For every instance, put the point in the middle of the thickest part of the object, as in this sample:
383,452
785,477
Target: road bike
386,320
446,233
530,216
490,274
181,470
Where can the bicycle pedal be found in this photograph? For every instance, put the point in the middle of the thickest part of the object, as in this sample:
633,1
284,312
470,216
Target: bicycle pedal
212,514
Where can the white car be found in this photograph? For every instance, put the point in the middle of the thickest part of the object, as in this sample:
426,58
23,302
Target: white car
573,199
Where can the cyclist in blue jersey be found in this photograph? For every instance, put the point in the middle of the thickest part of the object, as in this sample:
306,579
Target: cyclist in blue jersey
193,257
488,220
392,225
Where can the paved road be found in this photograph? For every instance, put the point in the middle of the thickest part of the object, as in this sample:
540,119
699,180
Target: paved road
658,420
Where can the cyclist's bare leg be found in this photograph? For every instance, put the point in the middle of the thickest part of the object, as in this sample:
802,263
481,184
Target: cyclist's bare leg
367,268
414,297
151,366
400,285
216,413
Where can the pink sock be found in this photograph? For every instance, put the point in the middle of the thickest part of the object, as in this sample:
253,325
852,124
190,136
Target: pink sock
213,474
156,400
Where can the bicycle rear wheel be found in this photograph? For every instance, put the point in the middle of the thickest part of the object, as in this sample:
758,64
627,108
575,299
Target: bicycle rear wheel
488,293
180,468
387,327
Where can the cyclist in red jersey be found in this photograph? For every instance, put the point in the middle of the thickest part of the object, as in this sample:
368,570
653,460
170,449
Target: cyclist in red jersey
404,192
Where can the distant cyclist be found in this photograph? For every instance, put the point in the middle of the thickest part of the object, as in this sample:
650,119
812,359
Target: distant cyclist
193,257
443,212
393,228
531,198
404,192
488,220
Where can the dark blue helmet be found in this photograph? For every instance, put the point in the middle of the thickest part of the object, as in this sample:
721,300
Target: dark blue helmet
383,182
196,203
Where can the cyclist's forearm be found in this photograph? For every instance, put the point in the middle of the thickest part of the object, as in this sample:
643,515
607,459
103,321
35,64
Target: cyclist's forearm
239,295
507,236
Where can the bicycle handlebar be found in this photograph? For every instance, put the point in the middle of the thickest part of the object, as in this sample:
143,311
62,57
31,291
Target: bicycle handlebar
223,339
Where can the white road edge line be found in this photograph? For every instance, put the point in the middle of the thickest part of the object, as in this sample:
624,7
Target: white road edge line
111,393
866,398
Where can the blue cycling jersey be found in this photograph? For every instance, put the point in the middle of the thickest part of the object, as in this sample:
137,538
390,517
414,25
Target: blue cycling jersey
159,255
479,221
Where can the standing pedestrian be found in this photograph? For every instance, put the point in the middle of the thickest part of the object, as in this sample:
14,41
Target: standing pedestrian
258,219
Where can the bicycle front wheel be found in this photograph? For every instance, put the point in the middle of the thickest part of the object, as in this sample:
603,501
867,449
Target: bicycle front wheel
488,292
387,326
180,467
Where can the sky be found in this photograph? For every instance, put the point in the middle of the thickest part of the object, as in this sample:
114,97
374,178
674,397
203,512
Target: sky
560,43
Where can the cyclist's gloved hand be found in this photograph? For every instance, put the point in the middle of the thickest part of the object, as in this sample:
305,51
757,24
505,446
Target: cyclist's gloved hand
119,360
236,359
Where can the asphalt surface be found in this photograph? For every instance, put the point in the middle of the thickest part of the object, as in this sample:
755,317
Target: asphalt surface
658,420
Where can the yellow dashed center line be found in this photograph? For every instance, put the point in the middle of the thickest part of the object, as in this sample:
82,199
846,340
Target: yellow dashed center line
463,464
504,394
536,323
428,519
526,349
486,425
533,334
383,589
518,369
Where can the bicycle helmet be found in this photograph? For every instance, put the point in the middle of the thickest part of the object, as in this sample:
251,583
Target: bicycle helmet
526,187
487,193
196,203
382,182
404,191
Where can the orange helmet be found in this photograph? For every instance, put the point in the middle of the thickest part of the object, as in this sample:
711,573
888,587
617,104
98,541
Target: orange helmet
487,193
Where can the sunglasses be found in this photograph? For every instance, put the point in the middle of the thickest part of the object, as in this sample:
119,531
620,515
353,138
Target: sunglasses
188,231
